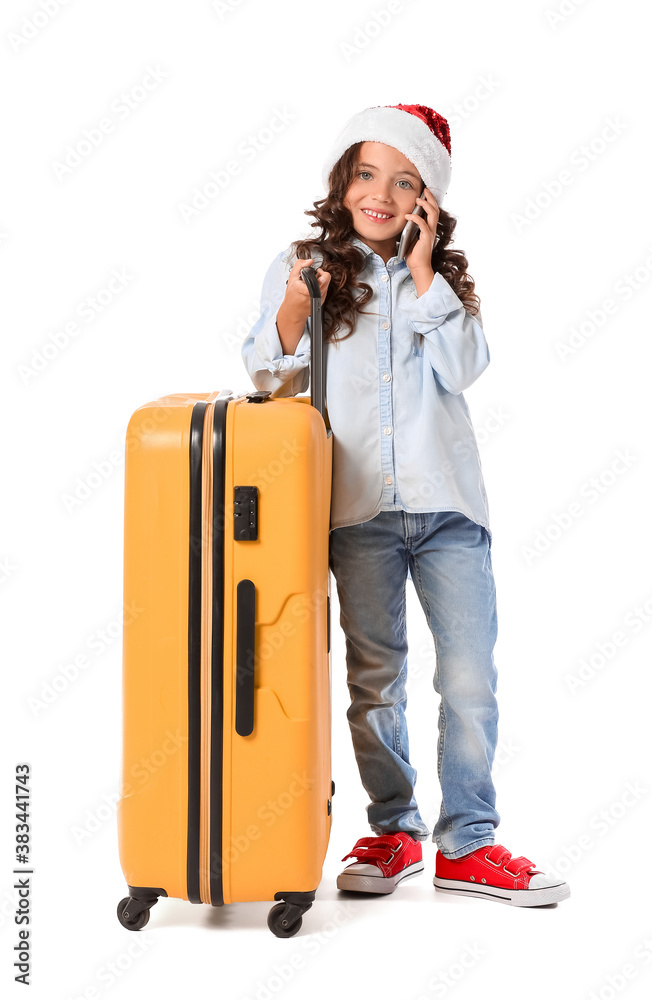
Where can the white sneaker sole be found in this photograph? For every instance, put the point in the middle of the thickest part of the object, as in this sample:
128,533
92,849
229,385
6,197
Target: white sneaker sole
517,897
377,883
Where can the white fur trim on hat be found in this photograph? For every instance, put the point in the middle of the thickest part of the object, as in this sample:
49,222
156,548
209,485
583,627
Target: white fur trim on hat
404,131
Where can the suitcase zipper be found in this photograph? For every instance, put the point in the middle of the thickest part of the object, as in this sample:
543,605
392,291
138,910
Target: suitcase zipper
214,742
194,649
206,635
206,652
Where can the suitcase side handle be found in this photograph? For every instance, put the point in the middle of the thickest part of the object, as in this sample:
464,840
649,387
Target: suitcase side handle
245,657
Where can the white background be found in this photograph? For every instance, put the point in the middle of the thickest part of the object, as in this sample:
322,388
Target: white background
528,96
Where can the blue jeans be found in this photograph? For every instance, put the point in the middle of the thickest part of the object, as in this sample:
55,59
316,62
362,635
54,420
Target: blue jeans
449,558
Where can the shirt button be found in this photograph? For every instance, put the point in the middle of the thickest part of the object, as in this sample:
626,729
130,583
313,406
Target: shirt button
388,480
385,325
384,277
388,430
386,376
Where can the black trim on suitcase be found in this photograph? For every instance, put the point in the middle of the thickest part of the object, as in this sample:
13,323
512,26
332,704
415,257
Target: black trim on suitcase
194,648
217,651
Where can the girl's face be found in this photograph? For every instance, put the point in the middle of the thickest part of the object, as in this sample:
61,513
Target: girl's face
385,182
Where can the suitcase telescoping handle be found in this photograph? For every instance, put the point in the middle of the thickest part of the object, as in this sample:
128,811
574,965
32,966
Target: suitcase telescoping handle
309,275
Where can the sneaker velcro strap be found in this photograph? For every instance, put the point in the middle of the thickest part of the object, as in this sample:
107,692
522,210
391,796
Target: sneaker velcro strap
369,854
497,854
517,865
375,848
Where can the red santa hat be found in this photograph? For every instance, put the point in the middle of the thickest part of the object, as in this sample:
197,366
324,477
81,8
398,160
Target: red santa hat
415,130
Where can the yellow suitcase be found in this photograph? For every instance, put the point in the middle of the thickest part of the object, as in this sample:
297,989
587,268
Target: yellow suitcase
226,781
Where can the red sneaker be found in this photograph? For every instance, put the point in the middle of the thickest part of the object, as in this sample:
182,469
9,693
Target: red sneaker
492,873
386,861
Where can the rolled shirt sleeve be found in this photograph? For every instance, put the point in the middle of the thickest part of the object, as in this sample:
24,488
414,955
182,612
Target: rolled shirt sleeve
262,352
454,341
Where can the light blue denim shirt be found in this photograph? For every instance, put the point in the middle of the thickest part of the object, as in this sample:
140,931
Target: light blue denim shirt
402,433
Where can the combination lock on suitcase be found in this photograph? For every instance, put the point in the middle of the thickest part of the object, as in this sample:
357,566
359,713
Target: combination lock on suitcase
226,781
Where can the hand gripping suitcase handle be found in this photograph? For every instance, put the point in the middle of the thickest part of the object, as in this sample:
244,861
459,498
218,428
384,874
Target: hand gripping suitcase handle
309,275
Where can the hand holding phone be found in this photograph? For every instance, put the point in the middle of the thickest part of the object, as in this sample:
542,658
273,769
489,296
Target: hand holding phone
411,231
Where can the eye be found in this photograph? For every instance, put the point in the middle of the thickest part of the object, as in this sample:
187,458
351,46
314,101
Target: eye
403,181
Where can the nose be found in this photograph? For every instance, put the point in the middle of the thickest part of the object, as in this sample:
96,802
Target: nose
381,194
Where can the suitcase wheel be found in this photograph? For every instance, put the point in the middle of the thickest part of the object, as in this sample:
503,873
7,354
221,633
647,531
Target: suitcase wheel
133,922
284,919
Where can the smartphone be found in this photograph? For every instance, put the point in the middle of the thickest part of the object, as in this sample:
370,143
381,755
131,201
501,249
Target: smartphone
411,232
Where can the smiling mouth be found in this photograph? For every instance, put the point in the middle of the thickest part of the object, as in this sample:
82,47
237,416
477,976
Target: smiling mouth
382,217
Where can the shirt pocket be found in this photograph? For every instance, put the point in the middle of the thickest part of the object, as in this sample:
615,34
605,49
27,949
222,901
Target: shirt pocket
417,338
417,344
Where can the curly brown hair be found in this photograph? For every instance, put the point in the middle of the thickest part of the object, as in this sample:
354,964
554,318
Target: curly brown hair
344,260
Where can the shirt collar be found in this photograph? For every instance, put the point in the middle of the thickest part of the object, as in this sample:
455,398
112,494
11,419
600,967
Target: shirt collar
363,246
367,250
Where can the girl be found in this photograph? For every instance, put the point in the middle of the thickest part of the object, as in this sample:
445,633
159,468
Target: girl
408,496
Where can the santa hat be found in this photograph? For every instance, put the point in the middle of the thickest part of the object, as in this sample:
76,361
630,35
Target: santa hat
414,129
